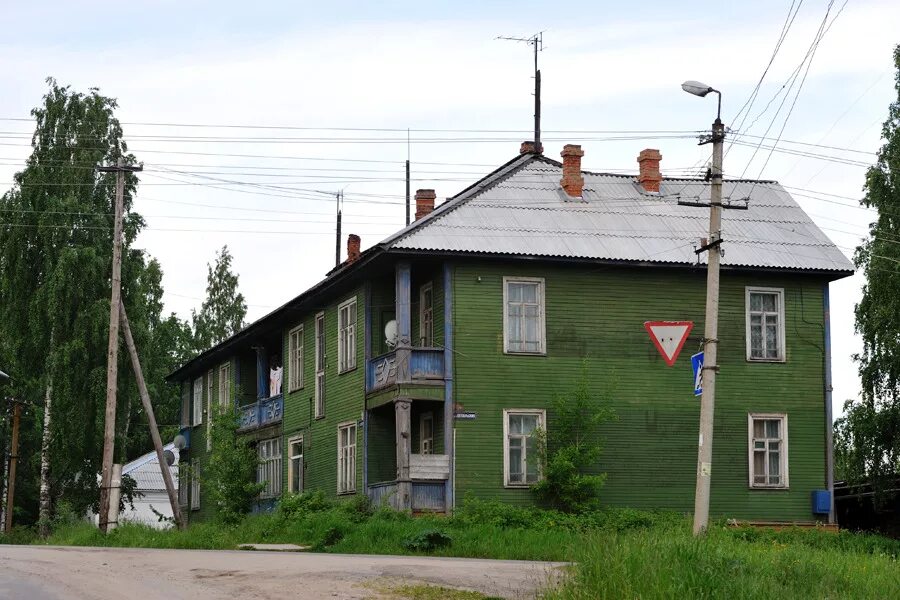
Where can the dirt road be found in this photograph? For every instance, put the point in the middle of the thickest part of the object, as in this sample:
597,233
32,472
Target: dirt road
66,573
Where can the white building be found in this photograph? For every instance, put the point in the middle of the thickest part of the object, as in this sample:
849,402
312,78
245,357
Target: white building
148,477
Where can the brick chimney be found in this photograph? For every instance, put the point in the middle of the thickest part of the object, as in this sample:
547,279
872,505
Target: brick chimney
649,177
352,247
572,181
424,202
528,147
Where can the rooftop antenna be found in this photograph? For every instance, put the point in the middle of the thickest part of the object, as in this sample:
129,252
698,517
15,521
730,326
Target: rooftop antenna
536,41
339,200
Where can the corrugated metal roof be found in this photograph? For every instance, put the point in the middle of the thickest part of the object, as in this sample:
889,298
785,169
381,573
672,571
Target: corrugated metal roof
146,473
521,210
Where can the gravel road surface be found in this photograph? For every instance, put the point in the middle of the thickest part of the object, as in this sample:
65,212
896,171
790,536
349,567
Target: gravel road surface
68,573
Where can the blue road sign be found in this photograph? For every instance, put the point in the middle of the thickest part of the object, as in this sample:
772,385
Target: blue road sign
697,365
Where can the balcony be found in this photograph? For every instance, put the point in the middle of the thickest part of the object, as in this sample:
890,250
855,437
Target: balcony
424,365
261,413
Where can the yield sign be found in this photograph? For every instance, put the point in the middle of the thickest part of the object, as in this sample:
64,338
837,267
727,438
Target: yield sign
669,337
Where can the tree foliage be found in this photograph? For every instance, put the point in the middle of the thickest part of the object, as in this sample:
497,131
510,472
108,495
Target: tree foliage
55,270
569,450
229,478
222,313
867,438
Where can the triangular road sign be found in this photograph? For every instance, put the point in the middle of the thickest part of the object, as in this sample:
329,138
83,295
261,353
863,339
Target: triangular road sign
669,337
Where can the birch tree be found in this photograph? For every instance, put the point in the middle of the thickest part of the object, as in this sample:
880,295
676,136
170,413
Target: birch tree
867,438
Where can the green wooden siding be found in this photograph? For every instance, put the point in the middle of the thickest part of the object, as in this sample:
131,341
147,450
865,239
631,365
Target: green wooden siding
650,452
344,398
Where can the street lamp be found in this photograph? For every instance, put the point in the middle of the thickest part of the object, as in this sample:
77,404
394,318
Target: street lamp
713,246
701,89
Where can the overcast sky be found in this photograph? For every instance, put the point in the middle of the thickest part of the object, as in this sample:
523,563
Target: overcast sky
437,66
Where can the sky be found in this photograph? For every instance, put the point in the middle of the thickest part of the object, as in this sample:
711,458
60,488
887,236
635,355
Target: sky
249,117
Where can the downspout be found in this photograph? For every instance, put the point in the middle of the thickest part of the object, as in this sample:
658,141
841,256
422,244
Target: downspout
829,416
449,449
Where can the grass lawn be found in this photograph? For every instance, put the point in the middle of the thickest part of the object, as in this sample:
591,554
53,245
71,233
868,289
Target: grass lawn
619,553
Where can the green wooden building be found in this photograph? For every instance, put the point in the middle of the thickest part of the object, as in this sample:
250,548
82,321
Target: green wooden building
417,371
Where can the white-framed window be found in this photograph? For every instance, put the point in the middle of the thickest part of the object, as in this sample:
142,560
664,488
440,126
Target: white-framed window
225,385
198,401
426,433
520,443
768,450
186,406
295,464
320,365
183,480
346,458
295,358
347,335
765,324
523,315
209,407
268,470
426,315
195,484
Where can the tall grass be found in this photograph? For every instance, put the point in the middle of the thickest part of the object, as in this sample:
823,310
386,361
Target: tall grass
670,563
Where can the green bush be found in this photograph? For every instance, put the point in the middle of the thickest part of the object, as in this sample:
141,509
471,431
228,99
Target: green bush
570,451
427,541
294,505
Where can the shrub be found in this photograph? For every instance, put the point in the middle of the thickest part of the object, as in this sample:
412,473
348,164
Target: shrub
571,451
294,505
427,541
230,476
332,536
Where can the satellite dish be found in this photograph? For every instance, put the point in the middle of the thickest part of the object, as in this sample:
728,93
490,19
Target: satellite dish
180,442
390,333
170,457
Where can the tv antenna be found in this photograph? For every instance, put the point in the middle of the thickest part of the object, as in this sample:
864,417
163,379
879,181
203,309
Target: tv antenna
536,41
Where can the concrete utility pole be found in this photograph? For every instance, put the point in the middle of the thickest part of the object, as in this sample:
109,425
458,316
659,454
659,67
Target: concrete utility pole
713,246
151,419
112,356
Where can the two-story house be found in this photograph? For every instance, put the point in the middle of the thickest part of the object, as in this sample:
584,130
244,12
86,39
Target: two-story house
418,370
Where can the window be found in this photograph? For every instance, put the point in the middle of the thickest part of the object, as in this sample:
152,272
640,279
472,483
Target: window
765,324
209,406
768,450
186,405
295,359
195,484
347,336
523,315
182,484
295,466
225,385
320,365
426,433
268,470
426,316
346,483
198,401
520,457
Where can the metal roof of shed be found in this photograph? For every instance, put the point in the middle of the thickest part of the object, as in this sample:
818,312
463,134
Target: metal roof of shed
521,210
146,472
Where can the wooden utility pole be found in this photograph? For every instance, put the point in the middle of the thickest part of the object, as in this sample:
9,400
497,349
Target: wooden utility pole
151,419
112,355
13,459
337,237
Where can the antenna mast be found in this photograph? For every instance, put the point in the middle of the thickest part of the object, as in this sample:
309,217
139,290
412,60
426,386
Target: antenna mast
536,41
339,197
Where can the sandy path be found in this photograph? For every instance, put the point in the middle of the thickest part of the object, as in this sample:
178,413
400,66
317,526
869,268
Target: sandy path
68,573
